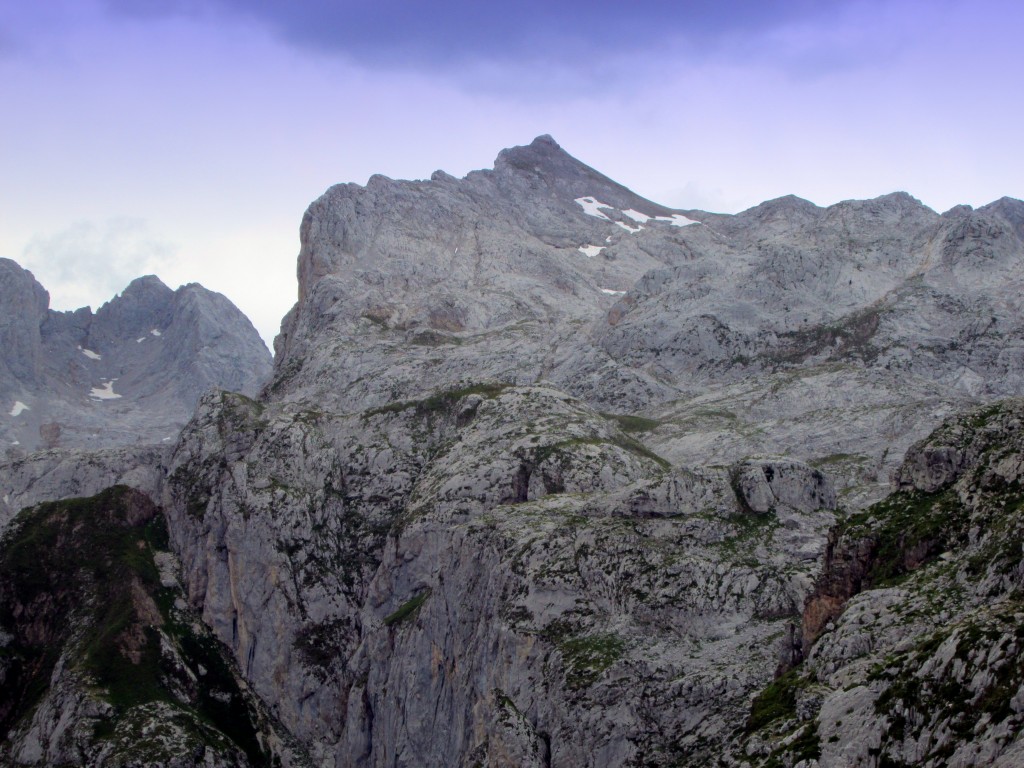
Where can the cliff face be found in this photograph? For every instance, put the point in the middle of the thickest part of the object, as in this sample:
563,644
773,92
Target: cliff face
500,574
548,474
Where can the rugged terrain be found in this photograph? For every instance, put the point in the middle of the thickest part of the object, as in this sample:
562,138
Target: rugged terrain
548,474
915,628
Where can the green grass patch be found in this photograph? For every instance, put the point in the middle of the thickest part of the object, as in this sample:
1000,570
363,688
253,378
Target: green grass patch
408,609
776,701
587,657
439,401
632,424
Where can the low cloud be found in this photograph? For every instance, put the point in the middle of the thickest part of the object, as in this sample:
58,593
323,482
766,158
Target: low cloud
88,263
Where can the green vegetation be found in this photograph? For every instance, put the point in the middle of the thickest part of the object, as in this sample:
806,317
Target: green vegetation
908,529
408,609
849,337
434,339
586,658
543,453
439,401
776,701
630,424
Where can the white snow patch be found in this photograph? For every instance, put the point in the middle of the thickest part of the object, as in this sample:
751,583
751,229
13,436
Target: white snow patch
18,408
90,354
106,392
7,499
639,218
628,228
592,207
155,332
610,292
165,439
676,220
608,239
590,251
139,341
16,442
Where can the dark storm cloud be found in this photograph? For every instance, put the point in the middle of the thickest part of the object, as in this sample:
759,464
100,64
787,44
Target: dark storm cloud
417,32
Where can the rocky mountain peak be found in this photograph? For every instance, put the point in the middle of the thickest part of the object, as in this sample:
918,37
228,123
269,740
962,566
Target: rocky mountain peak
1011,210
131,372
142,307
545,475
24,302
567,177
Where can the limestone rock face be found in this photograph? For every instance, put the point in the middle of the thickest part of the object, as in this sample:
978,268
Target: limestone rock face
130,373
558,593
24,303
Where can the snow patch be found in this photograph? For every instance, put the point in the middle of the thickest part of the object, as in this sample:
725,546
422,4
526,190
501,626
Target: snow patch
139,341
18,408
155,332
610,292
628,228
590,251
592,206
90,354
676,220
106,392
608,239
639,218
7,499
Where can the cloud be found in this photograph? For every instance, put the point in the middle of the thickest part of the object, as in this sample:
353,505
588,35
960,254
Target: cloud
445,34
88,263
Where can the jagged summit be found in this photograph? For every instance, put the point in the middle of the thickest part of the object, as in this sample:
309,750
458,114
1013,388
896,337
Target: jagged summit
130,372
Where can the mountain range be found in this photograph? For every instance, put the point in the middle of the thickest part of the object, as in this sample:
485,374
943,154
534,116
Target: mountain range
543,474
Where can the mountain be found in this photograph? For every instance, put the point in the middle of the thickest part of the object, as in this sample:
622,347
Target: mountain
129,373
547,474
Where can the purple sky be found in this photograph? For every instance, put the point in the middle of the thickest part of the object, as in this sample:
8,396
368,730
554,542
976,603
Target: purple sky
186,137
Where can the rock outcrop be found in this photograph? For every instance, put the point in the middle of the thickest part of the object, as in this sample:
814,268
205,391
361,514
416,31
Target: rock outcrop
101,662
914,631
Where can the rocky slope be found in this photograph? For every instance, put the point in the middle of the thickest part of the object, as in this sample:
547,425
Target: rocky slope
546,473
129,373
483,575
914,631
101,663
